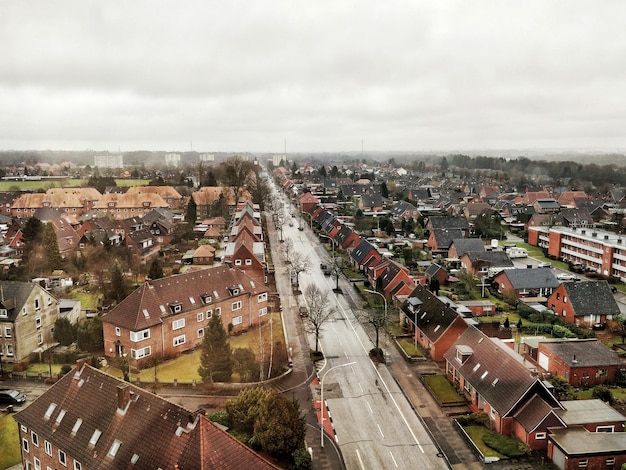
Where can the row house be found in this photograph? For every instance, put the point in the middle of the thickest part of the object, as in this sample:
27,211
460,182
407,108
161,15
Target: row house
482,262
247,254
432,323
172,198
208,197
90,419
27,316
363,255
601,251
71,201
167,316
124,206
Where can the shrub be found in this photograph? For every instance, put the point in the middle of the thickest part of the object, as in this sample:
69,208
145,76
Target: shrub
220,417
562,332
603,393
65,368
509,446
301,459
525,311
477,419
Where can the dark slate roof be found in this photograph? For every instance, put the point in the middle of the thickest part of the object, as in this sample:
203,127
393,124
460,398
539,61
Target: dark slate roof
547,203
442,222
159,433
496,371
14,296
536,411
401,207
591,297
432,269
445,236
496,259
433,316
583,352
463,245
531,278
361,251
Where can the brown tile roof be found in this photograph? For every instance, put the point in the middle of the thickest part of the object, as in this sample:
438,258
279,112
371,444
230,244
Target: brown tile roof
151,431
535,412
130,201
163,191
150,302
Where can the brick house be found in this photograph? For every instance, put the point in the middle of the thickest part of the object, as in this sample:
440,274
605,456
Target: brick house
584,303
540,282
582,362
167,316
479,262
433,324
460,246
90,419
27,316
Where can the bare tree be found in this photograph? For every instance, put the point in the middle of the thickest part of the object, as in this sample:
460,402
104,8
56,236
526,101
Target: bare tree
299,264
375,317
319,313
288,245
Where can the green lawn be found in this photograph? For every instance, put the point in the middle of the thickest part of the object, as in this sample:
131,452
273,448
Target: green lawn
9,442
409,347
443,391
476,433
535,252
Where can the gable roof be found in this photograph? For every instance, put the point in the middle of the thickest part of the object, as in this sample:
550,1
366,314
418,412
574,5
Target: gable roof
361,251
149,303
150,430
497,259
14,296
535,411
531,278
463,245
443,222
591,297
444,236
497,372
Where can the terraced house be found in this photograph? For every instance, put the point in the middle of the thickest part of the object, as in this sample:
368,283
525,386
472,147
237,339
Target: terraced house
168,316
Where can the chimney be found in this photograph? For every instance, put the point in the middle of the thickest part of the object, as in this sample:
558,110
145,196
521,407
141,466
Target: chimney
123,396
574,359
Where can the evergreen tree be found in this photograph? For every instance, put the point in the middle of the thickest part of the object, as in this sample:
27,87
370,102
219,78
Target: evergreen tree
118,283
280,426
64,331
156,269
216,361
211,181
323,171
51,248
384,191
244,409
192,211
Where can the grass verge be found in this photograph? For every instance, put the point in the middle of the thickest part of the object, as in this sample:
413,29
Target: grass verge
477,433
409,347
9,442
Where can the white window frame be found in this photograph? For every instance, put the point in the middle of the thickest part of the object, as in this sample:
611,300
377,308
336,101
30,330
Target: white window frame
583,463
34,437
137,336
262,297
237,320
610,428
36,463
178,324
218,311
237,262
77,465
141,352
262,311
62,458
25,445
541,435
237,305
200,317
209,314
38,322
201,333
7,332
47,446
118,331
248,262
179,340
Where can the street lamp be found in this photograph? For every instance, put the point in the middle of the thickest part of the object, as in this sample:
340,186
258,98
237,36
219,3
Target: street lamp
384,299
322,399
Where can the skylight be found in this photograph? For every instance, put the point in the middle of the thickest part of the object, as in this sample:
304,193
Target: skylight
77,424
114,448
94,437
484,374
61,416
49,411
145,313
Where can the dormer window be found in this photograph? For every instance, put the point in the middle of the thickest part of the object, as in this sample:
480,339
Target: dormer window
176,308
206,298
4,313
233,290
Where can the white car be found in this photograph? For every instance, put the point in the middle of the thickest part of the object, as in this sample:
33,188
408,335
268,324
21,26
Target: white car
566,277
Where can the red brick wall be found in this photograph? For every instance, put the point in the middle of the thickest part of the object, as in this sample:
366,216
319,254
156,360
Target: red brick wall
554,248
533,237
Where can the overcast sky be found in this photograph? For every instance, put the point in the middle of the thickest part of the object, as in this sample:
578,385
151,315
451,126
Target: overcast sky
246,75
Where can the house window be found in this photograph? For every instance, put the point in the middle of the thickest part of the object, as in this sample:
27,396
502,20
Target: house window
564,299
262,311
25,445
248,262
236,305
602,373
237,320
9,350
558,296
47,447
209,314
118,331
262,297
200,317
178,340
564,312
7,331
36,463
178,324
540,435
237,262
37,306
62,458
583,463
39,338
3,313
139,353
610,461
218,311
137,336
77,466
201,333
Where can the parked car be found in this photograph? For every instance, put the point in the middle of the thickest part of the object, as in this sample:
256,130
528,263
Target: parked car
544,264
566,277
11,397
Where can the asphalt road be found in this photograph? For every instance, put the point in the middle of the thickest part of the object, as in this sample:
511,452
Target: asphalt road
374,422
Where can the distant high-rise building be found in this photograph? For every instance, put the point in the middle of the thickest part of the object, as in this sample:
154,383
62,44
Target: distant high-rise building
108,161
172,159
277,158
206,157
